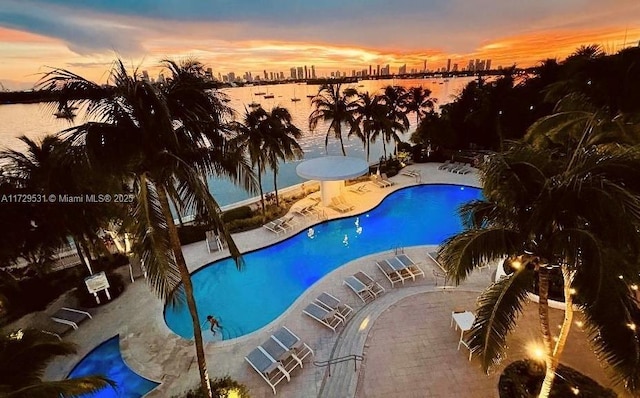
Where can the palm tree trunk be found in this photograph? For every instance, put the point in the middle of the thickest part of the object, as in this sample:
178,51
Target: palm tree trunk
339,134
543,307
185,278
275,187
552,364
264,211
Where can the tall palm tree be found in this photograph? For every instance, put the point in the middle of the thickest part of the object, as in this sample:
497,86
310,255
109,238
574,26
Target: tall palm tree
395,97
577,213
335,106
162,141
283,144
419,100
25,354
53,167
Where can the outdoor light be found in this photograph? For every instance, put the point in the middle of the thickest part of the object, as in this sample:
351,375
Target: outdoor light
516,264
631,326
634,287
620,277
579,324
572,291
536,351
575,390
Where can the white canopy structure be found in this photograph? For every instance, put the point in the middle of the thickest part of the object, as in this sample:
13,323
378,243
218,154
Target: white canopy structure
331,171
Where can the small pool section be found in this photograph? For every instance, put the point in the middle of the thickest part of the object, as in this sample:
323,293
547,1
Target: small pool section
275,276
106,360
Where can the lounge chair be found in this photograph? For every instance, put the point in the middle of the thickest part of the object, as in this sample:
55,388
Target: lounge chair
268,368
326,317
411,173
275,226
386,179
292,342
444,165
282,354
392,275
410,265
452,166
400,268
70,316
58,329
369,282
378,182
343,202
331,303
336,205
360,190
288,223
360,289
214,243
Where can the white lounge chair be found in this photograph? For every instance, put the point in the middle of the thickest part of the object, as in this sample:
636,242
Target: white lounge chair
292,342
331,303
410,265
214,243
344,202
444,165
268,368
70,316
369,282
288,223
377,181
360,190
440,272
275,226
360,289
336,205
411,173
391,273
282,354
328,318
386,179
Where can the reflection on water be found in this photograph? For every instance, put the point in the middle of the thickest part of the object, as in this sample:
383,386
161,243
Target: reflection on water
36,120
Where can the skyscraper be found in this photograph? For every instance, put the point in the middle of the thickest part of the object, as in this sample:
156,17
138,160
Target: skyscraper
306,72
449,65
293,73
488,65
313,72
300,72
378,71
265,74
455,67
402,70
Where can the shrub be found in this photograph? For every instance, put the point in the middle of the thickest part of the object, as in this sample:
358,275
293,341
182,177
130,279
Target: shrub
192,233
523,379
237,213
220,388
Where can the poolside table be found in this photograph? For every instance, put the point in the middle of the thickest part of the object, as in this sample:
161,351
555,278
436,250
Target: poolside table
463,321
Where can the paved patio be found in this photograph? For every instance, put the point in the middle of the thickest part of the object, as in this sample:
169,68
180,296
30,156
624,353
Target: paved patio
405,335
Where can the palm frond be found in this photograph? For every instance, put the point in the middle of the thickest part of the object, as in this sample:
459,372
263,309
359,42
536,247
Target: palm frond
498,309
71,388
152,241
461,253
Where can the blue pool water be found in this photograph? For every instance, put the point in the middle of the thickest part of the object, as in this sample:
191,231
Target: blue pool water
106,360
275,276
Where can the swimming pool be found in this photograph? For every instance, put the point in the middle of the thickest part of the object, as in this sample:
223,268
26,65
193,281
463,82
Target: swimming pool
275,276
106,360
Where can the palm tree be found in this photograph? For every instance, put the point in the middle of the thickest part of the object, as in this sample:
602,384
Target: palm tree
162,141
395,97
25,354
420,102
333,105
53,167
576,213
364,110
283,144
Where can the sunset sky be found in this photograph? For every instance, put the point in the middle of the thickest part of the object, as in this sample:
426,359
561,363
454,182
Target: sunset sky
252,35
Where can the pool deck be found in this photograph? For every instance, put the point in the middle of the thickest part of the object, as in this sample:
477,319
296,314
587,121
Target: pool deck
405,335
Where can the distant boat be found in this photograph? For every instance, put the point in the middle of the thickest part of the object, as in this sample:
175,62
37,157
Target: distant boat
360,85
310,96
254,104
294,99
269,96
259,93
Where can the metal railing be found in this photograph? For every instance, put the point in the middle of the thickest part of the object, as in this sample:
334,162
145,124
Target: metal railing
345,358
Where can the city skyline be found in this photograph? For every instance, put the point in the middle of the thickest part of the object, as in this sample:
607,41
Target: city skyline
274,36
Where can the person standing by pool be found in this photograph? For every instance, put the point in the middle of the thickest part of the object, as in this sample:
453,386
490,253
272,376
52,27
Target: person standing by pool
214,324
